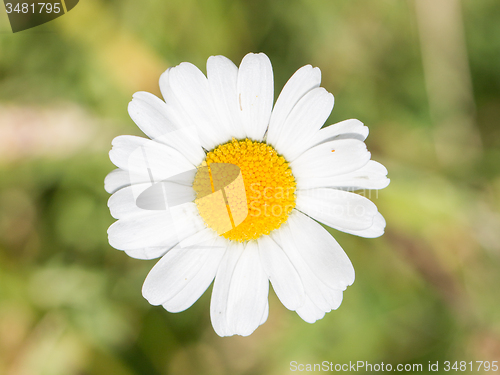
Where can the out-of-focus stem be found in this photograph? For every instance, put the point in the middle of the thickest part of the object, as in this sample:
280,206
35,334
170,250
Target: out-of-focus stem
448,80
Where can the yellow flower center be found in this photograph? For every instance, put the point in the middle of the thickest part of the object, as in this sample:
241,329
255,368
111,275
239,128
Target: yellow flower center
244,189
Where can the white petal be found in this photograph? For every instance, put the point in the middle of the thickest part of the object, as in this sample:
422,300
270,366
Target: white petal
255,94
348,129
116,180
303,80
282,274
143,157
198,284
306,118
334,298
123,203
223,83
185,272
330,159
151,114
310,312
163,228
153,230
190,134
160,123
266,313
314,252
148,253
370,176
133,200
322,296
220,291
248,293
188,92
376,230
185,140
338,209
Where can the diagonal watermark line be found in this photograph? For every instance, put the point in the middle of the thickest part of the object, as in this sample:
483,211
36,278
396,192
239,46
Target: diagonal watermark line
64,6
147,165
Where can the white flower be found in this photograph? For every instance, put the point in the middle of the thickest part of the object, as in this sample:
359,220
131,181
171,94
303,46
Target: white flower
252,223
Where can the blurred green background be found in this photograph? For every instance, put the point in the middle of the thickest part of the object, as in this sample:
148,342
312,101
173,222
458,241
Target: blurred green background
423,75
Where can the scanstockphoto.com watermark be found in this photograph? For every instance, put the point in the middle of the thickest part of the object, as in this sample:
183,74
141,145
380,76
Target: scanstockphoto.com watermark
327,366
365,366
342,208
221,195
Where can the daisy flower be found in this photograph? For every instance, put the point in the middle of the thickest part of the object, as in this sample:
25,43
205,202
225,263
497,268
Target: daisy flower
231,190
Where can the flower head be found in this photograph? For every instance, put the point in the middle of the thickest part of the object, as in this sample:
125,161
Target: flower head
230,188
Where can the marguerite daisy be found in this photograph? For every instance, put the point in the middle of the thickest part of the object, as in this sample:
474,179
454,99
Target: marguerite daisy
230,188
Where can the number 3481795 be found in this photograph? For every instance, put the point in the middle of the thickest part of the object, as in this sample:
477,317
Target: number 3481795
33,8
472,366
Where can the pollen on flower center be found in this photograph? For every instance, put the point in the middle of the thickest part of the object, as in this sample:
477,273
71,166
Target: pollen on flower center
266,180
